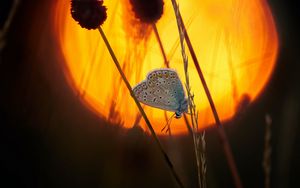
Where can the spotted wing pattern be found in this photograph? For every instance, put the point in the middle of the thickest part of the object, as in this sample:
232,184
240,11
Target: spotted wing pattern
162,89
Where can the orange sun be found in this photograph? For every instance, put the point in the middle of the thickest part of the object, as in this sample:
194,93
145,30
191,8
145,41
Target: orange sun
235,41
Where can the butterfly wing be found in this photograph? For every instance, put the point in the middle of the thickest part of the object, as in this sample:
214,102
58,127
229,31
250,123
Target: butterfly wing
162,89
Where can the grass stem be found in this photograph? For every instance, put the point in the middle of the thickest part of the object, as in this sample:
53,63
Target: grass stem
160,45
198,139
267,151
221,131
167,64
167,159
8,23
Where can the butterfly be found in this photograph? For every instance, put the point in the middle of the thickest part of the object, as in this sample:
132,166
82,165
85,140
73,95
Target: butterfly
163,89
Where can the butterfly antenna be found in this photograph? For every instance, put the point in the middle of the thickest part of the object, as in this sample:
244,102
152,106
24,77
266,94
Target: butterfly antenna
167,126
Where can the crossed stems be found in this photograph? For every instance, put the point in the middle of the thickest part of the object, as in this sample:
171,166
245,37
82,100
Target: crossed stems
221,131
167,159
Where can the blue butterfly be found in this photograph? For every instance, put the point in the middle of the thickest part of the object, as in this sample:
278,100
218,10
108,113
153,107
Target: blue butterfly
163,89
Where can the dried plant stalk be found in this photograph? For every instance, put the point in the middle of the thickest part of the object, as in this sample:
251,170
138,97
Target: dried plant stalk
267,151
167,159
160,45
198,138
8,22
221,131
167,64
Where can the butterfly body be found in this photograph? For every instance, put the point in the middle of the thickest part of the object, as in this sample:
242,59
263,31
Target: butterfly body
163,89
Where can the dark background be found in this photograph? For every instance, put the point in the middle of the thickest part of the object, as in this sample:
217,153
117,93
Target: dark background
49,139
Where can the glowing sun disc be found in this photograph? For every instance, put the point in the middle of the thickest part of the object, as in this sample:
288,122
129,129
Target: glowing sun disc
235,40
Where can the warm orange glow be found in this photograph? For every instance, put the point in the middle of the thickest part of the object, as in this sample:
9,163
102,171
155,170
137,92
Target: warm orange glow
235,41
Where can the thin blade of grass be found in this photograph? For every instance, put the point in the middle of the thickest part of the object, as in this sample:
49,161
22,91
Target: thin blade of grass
221,132
199,139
